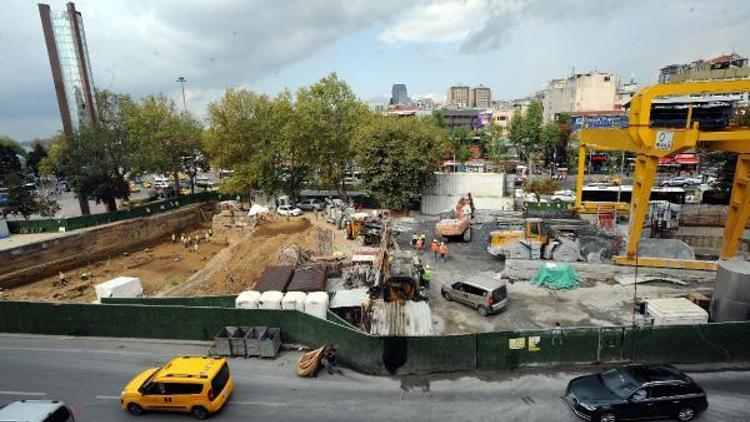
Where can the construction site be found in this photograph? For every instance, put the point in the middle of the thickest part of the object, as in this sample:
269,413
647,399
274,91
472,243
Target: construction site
516,265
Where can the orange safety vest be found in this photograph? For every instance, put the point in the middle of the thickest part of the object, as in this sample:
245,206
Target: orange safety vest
434,247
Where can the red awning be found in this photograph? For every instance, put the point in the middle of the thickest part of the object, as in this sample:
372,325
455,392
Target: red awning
688,159
680,159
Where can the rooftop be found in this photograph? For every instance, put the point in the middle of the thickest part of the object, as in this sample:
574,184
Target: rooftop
190,367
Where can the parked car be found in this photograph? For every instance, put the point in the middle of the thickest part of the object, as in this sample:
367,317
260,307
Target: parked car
36,411
679,181
486,296
3,198
566,195
288,210
133,188
310,204
146,184
636,392
189,384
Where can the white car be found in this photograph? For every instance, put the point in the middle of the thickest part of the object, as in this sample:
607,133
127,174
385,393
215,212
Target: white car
566,195
288,210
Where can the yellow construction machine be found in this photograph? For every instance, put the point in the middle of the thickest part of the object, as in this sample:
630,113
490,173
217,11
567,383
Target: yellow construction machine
533,239
650,138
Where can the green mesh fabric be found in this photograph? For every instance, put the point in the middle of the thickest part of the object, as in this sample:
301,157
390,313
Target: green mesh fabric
556,276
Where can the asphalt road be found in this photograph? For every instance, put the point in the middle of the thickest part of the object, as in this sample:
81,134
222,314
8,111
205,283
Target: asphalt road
88,374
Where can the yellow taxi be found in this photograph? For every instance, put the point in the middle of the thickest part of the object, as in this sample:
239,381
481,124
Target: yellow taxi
199,385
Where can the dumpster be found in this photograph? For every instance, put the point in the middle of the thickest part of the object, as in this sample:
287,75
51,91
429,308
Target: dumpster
270,343
237,341
252,341
221,341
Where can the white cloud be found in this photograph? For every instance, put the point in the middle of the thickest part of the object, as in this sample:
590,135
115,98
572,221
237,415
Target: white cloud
437,21
447,20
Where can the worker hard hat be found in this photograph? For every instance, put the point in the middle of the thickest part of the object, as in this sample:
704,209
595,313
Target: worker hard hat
426,267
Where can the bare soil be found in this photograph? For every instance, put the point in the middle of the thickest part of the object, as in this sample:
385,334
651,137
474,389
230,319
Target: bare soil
160,266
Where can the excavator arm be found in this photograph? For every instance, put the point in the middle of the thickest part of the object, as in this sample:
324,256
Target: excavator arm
650,143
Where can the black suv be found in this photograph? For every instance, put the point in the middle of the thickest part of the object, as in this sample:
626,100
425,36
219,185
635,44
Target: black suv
636,392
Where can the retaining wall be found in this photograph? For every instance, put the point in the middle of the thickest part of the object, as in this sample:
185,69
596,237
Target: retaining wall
37,260
709,343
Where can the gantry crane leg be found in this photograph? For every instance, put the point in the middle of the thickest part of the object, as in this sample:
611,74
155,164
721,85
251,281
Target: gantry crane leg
739,208
645,172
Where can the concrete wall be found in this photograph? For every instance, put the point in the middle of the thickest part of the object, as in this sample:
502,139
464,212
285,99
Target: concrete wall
33,261
706,343
707,240
485,188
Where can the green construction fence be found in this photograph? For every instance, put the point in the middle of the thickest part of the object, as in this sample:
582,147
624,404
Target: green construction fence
151,208
174,318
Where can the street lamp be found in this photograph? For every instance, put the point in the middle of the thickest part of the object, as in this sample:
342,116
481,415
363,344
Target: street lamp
182,81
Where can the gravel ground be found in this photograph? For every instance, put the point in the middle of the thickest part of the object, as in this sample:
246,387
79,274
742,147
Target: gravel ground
601,302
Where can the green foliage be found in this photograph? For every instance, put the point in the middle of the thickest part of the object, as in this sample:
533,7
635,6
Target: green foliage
35,157
21,201
526,131
494,143
460,140
398,158
725,165
541,186
97,157
165,141
328,113
438,118
258,138
9,161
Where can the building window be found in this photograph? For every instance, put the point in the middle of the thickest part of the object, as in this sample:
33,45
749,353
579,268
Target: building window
606,79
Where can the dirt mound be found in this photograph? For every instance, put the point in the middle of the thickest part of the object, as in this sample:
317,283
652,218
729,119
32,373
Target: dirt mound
283,227
238,267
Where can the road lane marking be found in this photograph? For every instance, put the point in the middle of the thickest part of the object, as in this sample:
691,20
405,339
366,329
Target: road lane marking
22,393
257,403
108,397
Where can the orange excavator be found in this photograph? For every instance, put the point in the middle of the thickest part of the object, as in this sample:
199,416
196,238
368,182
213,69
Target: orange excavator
457,225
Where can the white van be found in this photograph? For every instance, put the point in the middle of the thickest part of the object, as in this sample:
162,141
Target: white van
36,411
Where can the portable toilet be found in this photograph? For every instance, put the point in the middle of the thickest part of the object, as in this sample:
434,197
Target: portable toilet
271,300
316,304
249,299
294,301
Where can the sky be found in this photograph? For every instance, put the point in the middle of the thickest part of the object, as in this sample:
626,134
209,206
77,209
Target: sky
515,47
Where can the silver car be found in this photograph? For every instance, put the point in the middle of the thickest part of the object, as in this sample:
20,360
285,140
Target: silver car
310,205
486,296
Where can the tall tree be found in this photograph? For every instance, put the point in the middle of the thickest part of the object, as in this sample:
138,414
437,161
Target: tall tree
96,159
398,158
259,138
526,131
460,140
330,113
38,153
167,141
10,163
19,200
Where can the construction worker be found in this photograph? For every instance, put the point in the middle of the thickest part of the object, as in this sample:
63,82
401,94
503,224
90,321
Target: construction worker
420,245
443,250
174,237
414,239
426,276
434,246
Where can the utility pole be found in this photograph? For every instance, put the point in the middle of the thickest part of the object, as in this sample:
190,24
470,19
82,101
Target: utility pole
182,81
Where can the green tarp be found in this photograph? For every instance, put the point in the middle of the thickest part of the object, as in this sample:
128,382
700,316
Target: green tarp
556,276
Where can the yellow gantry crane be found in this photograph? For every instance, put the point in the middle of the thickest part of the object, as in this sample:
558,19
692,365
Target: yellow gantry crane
650,143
